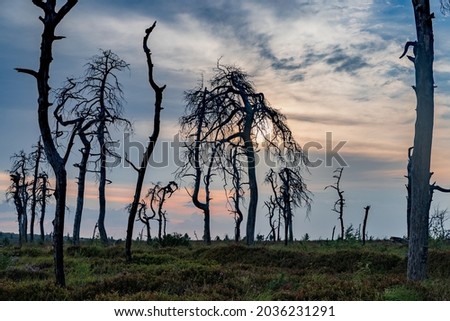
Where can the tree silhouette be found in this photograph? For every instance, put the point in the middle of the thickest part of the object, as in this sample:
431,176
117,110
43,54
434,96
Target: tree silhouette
51,20
289,190
236,114
44,194
92,104
202,155
420,192
36,157
158,195
149,150
340,202
236,192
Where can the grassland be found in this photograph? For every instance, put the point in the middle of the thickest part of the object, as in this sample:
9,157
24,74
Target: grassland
224,271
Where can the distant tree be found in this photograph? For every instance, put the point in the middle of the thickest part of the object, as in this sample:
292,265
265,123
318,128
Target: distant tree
44,193
149,150
51,20
158,195
35,158
236,114
340,202
364,229
289,191
14,193
274,223
145,219
437,224
18,191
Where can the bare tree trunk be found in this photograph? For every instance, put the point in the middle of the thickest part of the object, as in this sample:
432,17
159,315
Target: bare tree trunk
102,180
149,235
204,206
421,157
151,145
15,178
366,215
43,207
82,170
408,190
37,159
251,167
51,20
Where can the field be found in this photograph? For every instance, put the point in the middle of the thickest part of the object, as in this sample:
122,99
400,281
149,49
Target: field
320,270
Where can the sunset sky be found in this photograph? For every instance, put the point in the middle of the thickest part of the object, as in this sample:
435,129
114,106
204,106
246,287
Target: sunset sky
329,66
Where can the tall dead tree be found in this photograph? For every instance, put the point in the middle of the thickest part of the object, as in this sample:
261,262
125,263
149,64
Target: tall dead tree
201,157
51,20
340,202
421,191
236,114
149,150
92,104
103,83
82,171
236,193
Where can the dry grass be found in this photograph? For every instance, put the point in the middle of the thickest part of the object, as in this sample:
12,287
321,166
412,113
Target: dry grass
224,271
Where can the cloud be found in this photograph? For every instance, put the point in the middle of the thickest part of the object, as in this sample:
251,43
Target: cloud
338,120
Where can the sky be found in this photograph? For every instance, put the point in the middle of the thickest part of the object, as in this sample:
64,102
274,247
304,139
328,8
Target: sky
329,66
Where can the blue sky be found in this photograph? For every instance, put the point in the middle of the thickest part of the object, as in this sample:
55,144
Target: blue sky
330,66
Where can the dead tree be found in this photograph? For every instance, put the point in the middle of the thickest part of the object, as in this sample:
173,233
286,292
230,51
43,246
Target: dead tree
158,195
364,228
201,158
92,104
44,193
51,20
236,193
149,150
102,82
18,191
421,194
274,223
14,193
36,157
145,219
340,202
437,224
289,190
236,114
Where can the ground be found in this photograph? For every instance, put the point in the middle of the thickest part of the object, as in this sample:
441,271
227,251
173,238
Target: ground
320,270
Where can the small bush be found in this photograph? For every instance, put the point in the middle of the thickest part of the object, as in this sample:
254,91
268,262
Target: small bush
175,239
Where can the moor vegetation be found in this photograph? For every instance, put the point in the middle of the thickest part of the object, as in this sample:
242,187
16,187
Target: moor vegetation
309,270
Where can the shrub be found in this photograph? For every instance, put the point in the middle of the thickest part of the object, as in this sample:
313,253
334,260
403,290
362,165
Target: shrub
175,239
